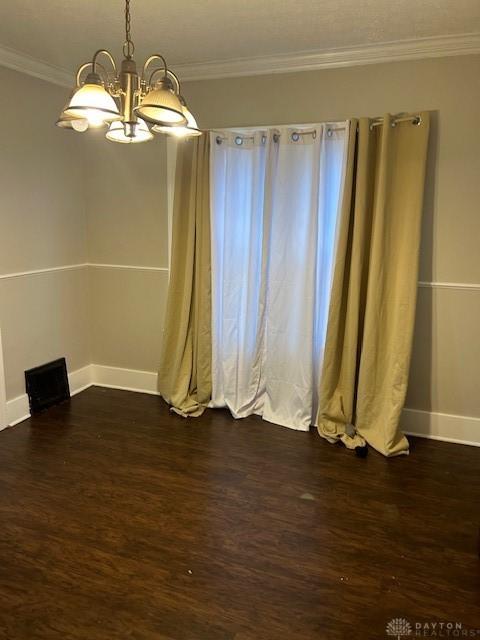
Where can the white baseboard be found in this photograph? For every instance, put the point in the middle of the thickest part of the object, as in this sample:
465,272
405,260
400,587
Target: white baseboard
127,379
441,426
415,422
18,408
80,379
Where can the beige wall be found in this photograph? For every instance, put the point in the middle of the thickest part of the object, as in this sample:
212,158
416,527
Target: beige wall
127,226
445,371
42,225
128,306
126,201
68,199
42,206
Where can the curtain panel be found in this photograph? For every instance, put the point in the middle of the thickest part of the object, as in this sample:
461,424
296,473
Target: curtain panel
184,377
275,205
372,311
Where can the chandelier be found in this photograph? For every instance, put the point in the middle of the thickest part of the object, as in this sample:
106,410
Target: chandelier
132,106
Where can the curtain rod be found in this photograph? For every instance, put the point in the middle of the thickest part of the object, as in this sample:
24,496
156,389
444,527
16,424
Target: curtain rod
416,120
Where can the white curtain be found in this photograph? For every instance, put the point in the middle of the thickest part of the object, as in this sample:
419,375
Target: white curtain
275,203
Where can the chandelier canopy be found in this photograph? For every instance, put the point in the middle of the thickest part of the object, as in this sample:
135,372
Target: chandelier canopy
132,106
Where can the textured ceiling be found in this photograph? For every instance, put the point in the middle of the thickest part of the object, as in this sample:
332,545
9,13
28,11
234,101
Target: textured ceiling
66,32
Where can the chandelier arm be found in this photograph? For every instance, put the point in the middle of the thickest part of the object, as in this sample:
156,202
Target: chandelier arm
167,74
155,56
108,55
175,80
84,66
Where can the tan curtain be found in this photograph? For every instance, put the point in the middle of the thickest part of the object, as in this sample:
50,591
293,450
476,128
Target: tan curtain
184,377
372,309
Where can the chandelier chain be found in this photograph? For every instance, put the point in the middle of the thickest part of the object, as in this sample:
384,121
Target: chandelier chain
128,47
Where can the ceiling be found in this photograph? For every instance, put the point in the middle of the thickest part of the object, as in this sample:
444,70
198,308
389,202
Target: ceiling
65,33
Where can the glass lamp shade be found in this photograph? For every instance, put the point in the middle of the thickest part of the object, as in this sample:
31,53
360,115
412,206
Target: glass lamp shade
129,132
92,103
183,131
161,106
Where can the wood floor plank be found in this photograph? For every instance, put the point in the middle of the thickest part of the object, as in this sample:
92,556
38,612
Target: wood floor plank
122,520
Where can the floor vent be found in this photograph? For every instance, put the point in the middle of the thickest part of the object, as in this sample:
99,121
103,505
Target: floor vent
47,385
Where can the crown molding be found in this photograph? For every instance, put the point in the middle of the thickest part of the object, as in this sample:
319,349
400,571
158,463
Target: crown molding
433,47
24,63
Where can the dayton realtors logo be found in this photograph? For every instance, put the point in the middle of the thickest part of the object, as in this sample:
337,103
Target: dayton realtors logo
400,628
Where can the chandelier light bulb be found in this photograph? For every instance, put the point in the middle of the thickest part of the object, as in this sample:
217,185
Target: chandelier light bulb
72,123
80,125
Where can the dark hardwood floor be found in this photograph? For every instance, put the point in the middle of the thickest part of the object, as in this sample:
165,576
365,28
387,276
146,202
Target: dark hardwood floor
121,520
